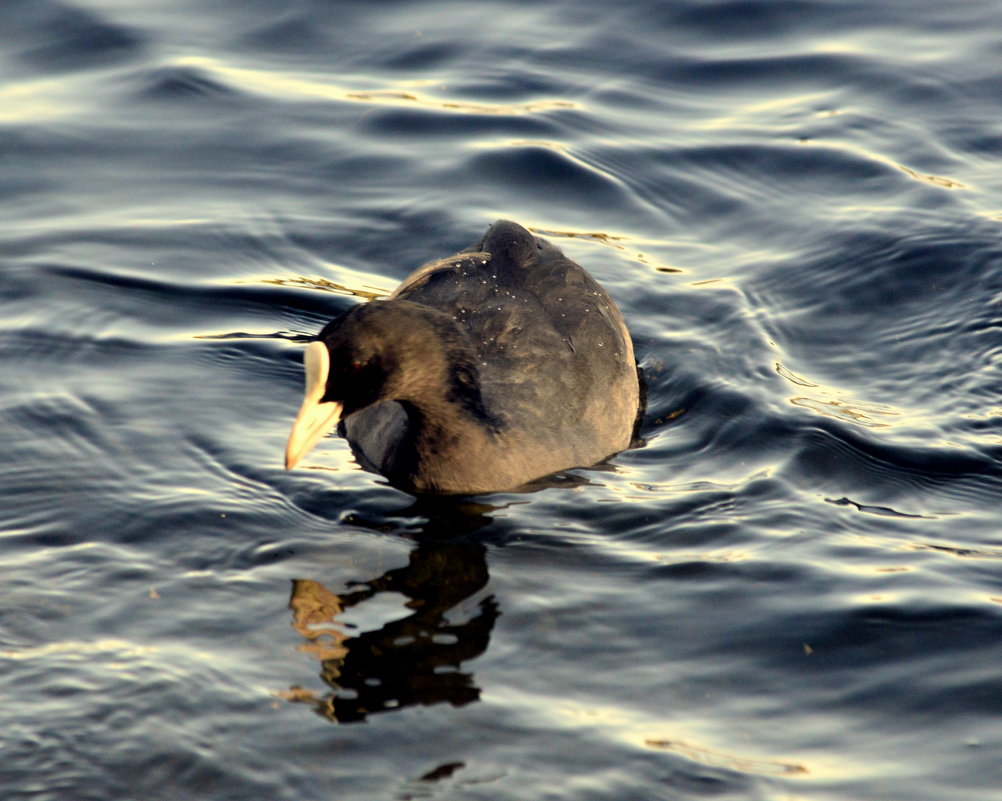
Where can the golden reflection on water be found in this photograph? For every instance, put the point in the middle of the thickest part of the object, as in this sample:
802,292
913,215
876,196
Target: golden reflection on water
935,180
825,403
365,292
855,412
286,85
315,610
322,284
867,155
615,241
394,97
623,725
720,759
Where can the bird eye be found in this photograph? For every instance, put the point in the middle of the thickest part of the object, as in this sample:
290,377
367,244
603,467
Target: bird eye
354,367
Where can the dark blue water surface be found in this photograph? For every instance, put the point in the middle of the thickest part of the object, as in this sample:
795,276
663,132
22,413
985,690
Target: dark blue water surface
792,591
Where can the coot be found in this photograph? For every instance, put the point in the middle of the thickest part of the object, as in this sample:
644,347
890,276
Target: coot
481,372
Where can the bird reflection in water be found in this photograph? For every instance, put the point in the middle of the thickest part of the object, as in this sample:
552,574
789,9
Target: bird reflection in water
415,660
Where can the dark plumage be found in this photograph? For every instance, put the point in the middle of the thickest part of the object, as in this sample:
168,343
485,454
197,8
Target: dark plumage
481,372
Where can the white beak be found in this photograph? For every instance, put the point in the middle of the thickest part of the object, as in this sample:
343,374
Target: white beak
315,419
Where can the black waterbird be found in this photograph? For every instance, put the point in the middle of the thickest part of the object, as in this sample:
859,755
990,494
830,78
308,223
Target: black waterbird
481,372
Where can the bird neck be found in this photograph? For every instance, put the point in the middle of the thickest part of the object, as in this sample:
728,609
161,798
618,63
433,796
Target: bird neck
437,372
450,414
443,439
436,380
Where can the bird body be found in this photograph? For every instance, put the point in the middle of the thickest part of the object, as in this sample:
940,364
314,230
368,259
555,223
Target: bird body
481,372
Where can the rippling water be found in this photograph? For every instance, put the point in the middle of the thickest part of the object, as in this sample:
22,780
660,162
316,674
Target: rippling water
792,591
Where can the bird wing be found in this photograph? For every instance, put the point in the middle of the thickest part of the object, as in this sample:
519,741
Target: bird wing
434,278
